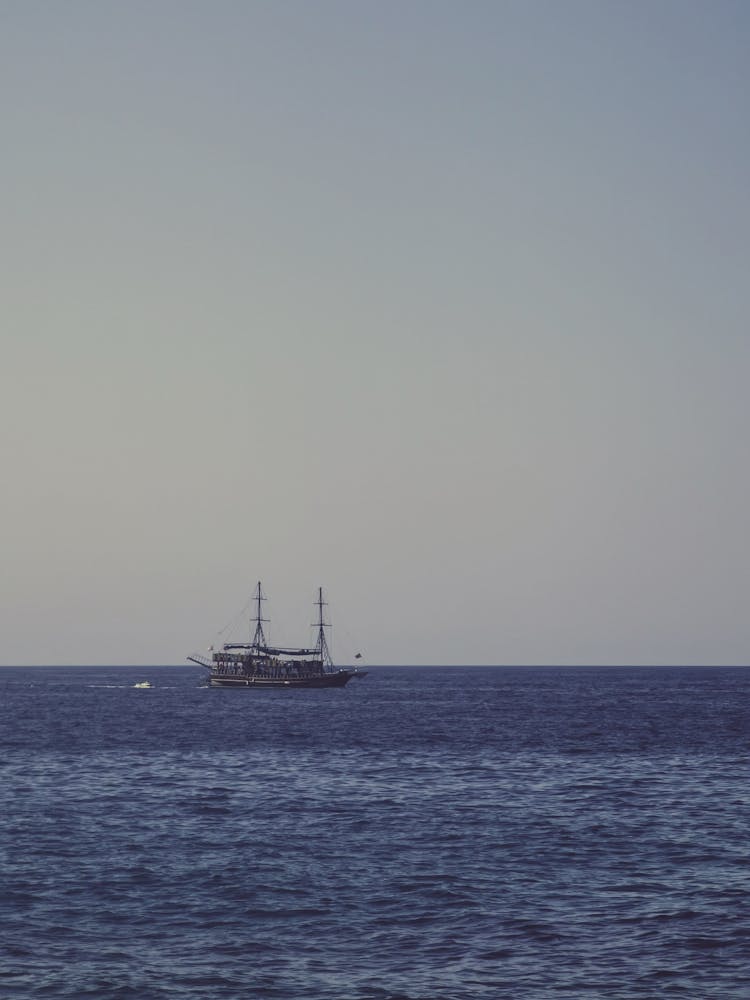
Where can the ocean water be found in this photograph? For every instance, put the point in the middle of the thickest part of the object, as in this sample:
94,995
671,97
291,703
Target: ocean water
422,834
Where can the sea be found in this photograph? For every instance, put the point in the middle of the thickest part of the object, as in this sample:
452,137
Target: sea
427,833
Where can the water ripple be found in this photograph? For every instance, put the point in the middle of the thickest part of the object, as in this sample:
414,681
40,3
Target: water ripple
428,834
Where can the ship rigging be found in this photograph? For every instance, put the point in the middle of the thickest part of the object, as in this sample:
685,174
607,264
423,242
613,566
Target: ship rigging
258,664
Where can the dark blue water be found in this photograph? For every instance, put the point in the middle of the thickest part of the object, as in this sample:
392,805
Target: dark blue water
422,834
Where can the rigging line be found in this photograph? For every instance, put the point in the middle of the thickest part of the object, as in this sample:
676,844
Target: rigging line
240,614
351,639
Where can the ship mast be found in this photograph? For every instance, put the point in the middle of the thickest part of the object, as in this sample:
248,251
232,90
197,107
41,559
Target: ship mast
321,646
259,639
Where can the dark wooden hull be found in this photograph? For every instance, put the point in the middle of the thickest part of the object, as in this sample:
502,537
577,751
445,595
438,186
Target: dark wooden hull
337,678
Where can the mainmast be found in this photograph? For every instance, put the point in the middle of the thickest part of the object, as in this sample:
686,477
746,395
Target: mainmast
259,638
321,647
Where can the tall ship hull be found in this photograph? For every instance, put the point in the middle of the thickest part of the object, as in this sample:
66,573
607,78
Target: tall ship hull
256,664
337,679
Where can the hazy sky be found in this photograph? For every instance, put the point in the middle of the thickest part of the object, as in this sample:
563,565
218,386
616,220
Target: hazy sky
443,306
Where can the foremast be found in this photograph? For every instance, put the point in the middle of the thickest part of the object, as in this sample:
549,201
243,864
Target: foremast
321,646
259,638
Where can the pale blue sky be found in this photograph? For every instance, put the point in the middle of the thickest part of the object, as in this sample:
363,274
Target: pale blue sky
442,306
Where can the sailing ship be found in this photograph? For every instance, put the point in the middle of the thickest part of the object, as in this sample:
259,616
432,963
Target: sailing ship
256,664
